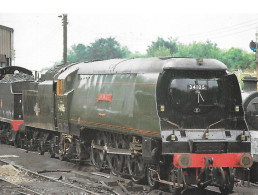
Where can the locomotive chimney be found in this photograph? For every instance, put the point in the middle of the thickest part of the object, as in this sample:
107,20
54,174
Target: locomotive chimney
250,84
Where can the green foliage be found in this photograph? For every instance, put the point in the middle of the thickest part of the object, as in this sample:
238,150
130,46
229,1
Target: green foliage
136,55
109,48
162,47
103,49
80,52
198,50
234,58
161,51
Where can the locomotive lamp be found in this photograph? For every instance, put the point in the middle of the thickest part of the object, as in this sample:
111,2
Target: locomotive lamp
237,108
207,135
173,137
200,61
242,137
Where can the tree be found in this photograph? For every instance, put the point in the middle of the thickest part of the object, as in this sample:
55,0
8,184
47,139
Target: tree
160,51
237,58
103,49
158,47
136,54
80,52
198,50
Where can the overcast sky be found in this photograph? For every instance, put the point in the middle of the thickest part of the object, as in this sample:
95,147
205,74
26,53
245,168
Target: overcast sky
38,30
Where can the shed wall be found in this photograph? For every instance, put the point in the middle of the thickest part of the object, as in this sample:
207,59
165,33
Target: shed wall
6,43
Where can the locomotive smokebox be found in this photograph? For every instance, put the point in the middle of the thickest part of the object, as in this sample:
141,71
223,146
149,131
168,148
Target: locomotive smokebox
250,84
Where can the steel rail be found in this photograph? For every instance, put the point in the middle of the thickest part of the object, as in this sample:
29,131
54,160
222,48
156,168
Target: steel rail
32,173
20,186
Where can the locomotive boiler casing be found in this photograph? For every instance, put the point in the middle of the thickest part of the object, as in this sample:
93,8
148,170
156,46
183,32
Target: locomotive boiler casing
124,102
130,96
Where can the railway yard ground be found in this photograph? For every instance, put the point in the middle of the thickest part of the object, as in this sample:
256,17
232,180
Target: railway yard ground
23,172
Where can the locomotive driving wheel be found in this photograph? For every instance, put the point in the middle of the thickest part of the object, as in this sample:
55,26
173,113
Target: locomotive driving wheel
152,177
98,156
40,148
116,161
136,168
51,143
18,142
229,182
65,147
174,177
10,136
51,152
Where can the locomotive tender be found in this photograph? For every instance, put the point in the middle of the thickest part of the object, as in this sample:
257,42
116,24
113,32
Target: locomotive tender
177,121
11,85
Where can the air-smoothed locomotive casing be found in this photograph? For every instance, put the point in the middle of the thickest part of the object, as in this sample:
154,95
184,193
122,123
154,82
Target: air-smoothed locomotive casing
124,95
123,102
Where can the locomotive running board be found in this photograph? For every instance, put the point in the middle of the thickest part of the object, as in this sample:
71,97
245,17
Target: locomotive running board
110,150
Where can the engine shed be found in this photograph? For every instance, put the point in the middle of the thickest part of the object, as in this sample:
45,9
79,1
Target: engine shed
6,46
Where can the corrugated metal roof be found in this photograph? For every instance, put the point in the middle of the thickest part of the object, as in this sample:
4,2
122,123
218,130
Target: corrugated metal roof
6,28
147,65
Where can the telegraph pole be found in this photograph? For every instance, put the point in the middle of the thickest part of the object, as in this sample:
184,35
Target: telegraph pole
256,54
64,21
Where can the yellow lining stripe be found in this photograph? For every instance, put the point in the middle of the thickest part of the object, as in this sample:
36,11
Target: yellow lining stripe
117,127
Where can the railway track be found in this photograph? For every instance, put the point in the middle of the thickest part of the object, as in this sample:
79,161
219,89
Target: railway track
77,179
77,182
24,180
16,188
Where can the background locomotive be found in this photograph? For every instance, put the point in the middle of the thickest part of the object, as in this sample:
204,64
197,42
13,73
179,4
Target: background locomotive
250,106
13,80
177,121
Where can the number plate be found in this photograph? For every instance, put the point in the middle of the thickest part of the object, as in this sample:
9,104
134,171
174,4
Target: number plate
196,87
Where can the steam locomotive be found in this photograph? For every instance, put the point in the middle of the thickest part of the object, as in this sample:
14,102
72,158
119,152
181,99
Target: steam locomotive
250,106
176,121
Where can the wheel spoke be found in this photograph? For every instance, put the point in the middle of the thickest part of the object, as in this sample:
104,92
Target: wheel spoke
136,169
98,156
173,176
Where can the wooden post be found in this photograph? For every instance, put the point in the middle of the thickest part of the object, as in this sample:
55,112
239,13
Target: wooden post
256,55
65,38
